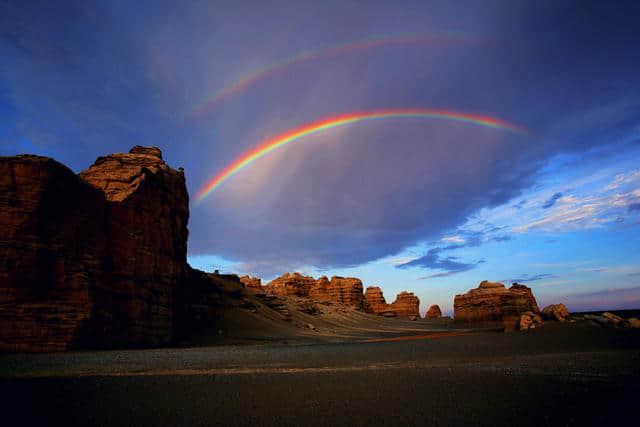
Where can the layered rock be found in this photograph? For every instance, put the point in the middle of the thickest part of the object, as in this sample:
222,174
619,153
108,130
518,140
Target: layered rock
374,301
434,312
493,302
91,259
146,229
529,320
253,283
320,290
557,312
290,285
52,253
406,304
346,290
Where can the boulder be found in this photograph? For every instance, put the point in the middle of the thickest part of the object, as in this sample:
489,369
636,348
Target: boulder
614,319
529,320
493,302
557,312
434,312
632,322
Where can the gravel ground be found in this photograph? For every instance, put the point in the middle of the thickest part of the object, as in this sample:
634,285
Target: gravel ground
558,375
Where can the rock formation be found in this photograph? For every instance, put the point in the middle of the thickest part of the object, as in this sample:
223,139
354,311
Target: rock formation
93,259
406,304
434,312
320,290
374,301
493,302
146,232
529,320
290,285
346,290
557,312
253,283
52,252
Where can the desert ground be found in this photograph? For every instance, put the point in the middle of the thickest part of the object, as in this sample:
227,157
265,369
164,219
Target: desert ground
426,372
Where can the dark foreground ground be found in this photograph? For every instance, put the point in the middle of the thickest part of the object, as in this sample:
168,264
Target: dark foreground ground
558,375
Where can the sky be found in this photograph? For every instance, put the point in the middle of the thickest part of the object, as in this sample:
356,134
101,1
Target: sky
424,204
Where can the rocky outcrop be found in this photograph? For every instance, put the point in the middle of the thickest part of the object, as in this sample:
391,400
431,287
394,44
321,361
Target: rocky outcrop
493,302
146,231
253,283
320,290
434,312
557,312
529,320
374,301
346,290
290,285
406,304
52,253
92,259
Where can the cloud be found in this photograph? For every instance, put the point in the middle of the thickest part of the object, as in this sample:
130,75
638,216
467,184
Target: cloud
529,278
433,260
551,201
634,207
86,79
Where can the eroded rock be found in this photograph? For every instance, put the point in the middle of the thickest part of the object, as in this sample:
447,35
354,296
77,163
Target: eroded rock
493,302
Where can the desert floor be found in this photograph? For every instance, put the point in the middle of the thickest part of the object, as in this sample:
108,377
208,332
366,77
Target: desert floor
559,374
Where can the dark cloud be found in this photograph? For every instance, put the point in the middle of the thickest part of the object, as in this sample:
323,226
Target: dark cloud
520,204
433,260
634,207
551,201
83,79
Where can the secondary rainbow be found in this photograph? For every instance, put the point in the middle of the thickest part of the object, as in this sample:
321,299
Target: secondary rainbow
341,120
249,80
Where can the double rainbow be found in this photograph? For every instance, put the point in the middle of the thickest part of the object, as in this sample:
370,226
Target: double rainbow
251,79
332,122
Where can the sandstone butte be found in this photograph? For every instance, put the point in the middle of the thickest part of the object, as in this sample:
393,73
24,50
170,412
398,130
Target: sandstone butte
494,302
95,259
406,303
434,312
342,290
99,259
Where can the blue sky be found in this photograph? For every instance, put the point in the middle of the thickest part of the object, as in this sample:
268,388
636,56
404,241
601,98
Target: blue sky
429,206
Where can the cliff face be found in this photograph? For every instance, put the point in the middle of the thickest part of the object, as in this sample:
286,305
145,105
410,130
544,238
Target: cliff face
341,290
52,249
91,259
147,211
493,302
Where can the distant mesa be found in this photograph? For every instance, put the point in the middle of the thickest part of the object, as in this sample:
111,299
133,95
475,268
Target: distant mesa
406,303
493,302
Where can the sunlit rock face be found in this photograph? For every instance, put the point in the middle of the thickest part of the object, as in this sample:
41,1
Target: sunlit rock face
92,259
406,303
290,285
253,283
493,302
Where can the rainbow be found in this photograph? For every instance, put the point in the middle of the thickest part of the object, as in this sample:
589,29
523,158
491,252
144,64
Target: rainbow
246,82
332,122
